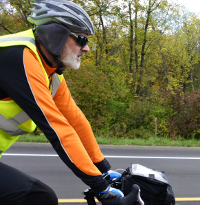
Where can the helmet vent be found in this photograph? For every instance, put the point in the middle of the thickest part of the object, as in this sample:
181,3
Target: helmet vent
42,13
55,8
72,8
70,21
37,7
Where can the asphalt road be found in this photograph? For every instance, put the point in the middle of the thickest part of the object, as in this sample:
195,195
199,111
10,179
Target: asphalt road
182,167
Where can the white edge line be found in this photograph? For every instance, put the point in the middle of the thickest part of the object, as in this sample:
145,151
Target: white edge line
123,157
31,155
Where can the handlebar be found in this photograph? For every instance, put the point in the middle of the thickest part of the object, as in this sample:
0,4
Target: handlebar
132,199
89,196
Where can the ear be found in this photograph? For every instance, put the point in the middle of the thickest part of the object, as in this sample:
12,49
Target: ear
53,36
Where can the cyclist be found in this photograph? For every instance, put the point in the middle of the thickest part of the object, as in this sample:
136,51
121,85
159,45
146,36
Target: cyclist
33,93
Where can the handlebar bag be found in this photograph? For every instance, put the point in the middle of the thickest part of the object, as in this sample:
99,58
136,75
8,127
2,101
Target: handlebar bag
155,189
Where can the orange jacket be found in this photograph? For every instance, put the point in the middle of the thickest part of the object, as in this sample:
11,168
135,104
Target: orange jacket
59,118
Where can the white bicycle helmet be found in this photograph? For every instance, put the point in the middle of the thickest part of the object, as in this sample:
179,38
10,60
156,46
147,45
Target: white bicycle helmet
62,12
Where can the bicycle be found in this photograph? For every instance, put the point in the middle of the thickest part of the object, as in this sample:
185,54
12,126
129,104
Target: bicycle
135,180
133,198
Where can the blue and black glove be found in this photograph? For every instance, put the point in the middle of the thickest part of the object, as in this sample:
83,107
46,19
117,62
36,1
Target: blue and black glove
110,193
111,175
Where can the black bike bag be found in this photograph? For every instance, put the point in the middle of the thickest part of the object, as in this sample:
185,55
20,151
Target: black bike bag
155,189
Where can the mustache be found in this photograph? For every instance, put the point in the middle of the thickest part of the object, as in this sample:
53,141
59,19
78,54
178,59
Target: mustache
81,53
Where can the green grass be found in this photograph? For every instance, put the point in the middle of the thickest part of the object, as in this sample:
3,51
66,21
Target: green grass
151,141
32,138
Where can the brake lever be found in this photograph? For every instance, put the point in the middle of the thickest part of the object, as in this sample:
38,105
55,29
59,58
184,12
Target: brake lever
89,196
139,198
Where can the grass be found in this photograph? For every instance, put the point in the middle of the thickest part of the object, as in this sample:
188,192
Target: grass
151,141
32,138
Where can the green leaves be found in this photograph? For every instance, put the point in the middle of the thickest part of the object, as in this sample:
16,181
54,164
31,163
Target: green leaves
143,50
13,16
185,120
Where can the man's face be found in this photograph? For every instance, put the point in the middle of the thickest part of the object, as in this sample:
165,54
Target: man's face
72,52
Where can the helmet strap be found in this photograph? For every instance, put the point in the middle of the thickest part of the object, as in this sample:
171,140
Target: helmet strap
61,67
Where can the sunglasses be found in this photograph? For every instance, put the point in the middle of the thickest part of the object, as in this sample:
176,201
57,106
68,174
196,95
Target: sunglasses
82,41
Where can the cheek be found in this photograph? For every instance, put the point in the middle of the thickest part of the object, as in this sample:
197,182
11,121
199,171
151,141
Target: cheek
76,51
74,47
73,52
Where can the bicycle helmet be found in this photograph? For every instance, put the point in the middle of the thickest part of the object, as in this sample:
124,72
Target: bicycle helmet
62,12
55,20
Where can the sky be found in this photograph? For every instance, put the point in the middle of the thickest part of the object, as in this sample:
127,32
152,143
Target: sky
191,5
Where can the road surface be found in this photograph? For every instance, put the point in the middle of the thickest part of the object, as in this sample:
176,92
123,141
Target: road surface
182,167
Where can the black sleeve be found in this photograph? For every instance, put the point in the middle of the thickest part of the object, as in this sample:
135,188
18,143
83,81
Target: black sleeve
103,166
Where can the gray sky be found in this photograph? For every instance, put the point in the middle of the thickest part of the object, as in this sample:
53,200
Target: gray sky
191,5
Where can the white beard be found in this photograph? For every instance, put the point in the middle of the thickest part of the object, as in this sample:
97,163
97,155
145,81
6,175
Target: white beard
69,59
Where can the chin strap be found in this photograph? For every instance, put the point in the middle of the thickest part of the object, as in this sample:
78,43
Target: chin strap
61,67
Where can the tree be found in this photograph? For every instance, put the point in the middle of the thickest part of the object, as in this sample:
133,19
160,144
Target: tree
13,16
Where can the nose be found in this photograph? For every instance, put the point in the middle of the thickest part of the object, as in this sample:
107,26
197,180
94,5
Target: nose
85,48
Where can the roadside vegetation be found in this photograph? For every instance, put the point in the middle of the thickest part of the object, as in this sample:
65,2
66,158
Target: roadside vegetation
105,140
142,84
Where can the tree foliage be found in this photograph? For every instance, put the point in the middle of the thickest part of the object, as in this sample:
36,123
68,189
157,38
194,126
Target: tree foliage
145,50
13,16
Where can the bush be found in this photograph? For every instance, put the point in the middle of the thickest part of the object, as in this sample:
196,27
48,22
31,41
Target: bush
105,105
111,110
185,120
162,111
97,96
91,91
131,119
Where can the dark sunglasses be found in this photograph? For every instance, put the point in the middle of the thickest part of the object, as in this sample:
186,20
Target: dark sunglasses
82,41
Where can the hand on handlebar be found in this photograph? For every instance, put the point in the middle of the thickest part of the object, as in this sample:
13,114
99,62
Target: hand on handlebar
110,193
132,199
112,174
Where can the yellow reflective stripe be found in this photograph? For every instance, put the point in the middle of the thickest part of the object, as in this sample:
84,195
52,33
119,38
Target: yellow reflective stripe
20,122
6,140
25,33
9,108
28,126
23,38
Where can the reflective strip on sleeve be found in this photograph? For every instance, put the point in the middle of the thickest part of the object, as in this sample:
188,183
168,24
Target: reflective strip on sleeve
10,125
55,84
20,118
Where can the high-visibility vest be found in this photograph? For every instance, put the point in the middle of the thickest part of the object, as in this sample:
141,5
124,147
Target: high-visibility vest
13,120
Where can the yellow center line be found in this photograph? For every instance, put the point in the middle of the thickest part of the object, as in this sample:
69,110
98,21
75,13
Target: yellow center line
188,199
71,200
83,200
